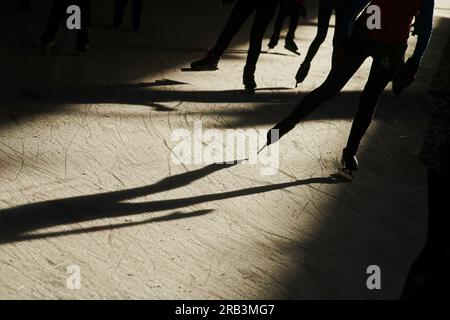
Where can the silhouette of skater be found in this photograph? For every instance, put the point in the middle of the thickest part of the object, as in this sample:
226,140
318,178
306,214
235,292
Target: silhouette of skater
135,13
293,9
264,11
57,13
387,47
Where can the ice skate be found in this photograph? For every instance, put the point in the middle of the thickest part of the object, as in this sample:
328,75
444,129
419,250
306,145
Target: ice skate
302,73
349,164
291,46
248,80
279,130
273,42
209,62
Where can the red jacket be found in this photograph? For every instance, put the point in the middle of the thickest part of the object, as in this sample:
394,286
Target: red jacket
396,19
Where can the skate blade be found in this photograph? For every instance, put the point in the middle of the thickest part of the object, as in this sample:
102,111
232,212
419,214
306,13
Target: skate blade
293,51
190,69
345,174
261,149
232,162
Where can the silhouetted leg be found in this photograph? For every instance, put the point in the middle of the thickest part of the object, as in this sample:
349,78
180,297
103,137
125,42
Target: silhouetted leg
293,22
264,14
322,30
118,12
325,10
136,14
57,13
241,11
381,73
336,80
334,83
339,26
278,24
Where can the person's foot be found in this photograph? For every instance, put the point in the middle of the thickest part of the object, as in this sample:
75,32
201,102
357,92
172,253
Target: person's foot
302,72
273,42
82,40
248,79
209,62
349,160
290,45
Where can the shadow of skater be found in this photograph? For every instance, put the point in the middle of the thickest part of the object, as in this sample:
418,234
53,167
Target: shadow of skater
136,7
57,14
17,222
264,11
293,9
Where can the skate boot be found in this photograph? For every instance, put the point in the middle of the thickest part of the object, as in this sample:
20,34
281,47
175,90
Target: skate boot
209,62
349,164
279,130
302,73
248,80
291,46
273,42
82,40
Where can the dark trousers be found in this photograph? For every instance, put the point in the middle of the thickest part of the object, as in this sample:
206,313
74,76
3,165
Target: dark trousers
326,8
387,59
58,12
286,8
264,11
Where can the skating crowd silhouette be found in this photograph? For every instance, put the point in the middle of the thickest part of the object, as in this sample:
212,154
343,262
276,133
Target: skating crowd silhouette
353,42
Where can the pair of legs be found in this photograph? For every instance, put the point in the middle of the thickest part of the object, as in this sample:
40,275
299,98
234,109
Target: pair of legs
286,8
387,60
326,8
135,14
264,11
57,14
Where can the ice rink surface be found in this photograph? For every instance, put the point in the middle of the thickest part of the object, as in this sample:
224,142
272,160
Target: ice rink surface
86,176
